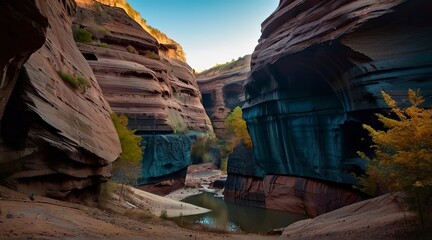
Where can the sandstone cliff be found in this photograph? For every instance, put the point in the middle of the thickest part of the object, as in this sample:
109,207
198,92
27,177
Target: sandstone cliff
222,90
138,77
175,50
316,76
58,141
28,21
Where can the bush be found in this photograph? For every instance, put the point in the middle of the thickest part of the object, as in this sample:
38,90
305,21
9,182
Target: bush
237,130
131,49
403,152
102,44
76,82
176,122
201,149
126,169
82,35
152,55
164,214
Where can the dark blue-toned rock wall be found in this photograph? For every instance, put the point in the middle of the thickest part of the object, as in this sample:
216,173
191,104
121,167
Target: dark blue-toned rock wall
164,156
310,91
316,76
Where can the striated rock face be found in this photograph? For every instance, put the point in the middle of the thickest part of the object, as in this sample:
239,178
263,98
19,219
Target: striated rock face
60,139
159,94
222,90
19,21
171,48
316,76
288,193
170,153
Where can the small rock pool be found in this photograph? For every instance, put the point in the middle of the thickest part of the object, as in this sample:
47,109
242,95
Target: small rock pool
229,217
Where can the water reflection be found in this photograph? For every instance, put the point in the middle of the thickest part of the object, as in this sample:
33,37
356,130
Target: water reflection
236,218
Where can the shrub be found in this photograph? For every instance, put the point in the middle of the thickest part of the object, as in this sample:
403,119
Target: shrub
176,122
76,82
82,35
201,149
131,49
237,130
152,55
403,152
164,214
102,44
126,169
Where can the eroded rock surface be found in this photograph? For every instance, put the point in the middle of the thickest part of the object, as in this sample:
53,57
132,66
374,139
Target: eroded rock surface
316,76
27,22
60,140
384,217
157,92
222,90
171,47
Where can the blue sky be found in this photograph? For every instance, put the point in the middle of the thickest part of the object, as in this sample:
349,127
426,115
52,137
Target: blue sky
210,31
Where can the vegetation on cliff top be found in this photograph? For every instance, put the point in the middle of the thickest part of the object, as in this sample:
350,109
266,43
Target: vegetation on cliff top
233,64
160,36
403,152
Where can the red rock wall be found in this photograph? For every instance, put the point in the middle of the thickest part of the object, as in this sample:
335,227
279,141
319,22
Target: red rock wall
64,138
222,90
19,20
287,193
155,92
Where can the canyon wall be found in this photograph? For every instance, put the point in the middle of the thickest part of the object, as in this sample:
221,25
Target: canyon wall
174,50
316,76
56,139
222,90
139,78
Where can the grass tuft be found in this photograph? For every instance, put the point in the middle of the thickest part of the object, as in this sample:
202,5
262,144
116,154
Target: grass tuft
82,35
75,82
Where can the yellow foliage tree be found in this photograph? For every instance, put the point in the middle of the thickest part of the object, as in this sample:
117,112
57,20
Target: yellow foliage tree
126,169
403,152
235,125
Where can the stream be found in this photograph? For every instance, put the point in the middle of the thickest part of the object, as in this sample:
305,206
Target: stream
226,216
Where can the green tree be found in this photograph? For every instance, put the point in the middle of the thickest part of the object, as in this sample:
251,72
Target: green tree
403,152
126,169
236,127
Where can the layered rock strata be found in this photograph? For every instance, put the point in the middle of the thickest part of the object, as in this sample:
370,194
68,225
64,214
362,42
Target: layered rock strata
158,94
316,76
222,90
171,47
60,138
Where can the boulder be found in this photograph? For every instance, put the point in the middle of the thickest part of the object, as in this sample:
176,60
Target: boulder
384,217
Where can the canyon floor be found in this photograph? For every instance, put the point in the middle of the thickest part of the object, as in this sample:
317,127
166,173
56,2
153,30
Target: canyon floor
45,218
